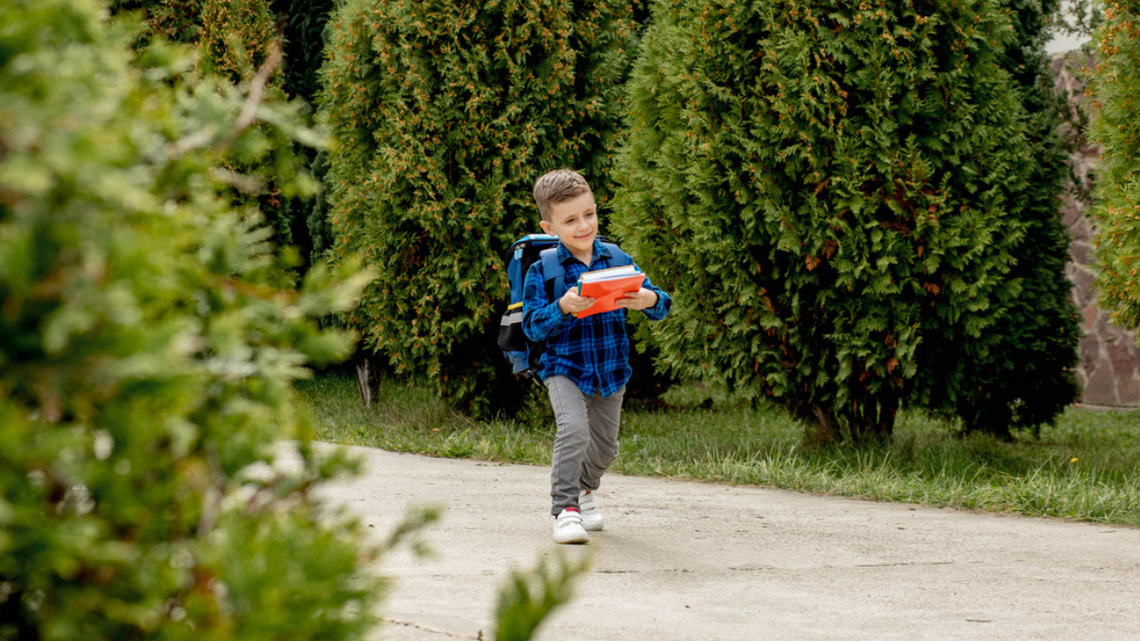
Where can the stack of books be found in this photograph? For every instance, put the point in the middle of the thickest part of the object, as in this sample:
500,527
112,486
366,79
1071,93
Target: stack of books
606,286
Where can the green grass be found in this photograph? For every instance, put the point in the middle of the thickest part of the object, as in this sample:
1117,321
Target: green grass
1085,468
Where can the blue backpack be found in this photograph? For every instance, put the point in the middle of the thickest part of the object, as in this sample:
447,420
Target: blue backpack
524,354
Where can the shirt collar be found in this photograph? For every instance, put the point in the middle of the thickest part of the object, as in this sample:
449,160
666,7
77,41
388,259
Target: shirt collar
600,251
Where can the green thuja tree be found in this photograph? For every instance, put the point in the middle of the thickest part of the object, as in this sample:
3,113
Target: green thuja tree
147,351
443,114
1116,126
832,189
303,25
240,41
528,598
172,20
1018,373
237,38
303,31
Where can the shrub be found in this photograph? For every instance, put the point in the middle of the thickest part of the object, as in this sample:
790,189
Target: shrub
1116,127
237,38
304,26
173,20
443,115
146,360
833,190
1019,374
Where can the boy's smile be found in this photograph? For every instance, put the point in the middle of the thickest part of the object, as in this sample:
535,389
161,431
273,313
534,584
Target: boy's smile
575,222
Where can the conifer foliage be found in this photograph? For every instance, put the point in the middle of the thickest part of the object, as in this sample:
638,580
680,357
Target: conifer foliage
833,189
1019,372
147,351
237,36
173,20
443,115
237,39
1117,127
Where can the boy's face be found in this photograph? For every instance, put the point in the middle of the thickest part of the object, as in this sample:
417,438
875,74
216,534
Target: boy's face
574,222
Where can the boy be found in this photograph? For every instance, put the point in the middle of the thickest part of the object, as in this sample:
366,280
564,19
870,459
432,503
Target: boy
586,364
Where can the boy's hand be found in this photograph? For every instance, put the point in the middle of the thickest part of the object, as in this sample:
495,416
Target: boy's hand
572,303
641,299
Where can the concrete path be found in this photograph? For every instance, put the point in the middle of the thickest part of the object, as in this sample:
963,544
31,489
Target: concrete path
685,561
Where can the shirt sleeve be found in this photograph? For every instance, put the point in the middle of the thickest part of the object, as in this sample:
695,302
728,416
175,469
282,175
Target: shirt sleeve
661,308
541,317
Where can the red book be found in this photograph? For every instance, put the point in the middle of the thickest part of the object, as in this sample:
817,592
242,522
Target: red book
605,286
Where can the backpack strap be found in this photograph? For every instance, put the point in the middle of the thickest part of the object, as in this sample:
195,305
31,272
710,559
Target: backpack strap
618,258
553,272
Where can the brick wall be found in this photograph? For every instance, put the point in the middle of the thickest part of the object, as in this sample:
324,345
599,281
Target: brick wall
1109,370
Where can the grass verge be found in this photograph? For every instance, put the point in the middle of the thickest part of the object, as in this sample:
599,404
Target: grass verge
1085,468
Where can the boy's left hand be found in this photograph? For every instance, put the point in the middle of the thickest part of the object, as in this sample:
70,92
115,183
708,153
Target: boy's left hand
641,299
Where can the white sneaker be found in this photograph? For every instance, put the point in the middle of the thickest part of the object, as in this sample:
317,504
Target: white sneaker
568,528
590,512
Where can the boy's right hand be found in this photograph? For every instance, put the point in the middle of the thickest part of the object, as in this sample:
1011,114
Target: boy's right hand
572,303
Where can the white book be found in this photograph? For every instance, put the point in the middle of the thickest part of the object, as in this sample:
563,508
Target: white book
612,273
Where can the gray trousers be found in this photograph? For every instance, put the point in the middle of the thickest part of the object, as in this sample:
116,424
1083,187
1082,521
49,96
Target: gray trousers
586,442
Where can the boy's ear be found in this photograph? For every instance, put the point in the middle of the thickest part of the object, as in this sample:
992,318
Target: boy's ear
546,227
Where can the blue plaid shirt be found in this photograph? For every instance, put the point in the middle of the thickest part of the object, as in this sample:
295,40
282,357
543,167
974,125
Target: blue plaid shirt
592,351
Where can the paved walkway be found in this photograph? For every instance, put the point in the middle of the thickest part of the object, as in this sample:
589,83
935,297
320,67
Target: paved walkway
689,561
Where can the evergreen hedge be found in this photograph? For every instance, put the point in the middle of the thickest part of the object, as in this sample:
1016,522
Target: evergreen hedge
443,114
1116,126
172,20
237,39
304,27
1020,374
835,191
146,354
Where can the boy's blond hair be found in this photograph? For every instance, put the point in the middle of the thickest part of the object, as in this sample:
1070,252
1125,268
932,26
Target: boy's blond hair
558,186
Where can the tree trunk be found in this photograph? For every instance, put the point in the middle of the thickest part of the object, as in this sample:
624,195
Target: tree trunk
866,423
367,378
821,429
875,421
